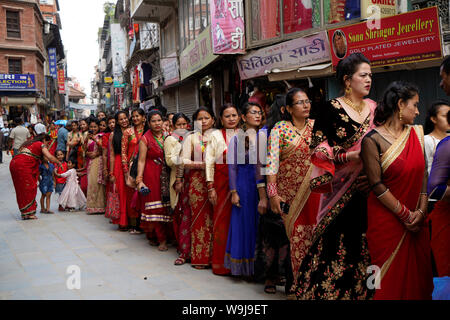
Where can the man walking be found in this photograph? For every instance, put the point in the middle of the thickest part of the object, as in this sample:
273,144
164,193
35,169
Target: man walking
18,135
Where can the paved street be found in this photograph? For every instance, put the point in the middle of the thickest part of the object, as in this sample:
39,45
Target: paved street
34,256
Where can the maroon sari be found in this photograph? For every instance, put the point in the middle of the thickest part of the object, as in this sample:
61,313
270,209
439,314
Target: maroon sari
403,256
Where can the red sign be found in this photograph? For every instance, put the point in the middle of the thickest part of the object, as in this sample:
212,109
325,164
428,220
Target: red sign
119,95
408,37
61,79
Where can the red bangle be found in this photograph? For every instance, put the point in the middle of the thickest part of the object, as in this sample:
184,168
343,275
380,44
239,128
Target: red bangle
272,189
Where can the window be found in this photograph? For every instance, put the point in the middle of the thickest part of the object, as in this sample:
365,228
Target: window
14,66
13,24
193,19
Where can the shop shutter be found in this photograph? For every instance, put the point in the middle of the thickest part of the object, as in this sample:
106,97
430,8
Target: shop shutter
169,100
187,98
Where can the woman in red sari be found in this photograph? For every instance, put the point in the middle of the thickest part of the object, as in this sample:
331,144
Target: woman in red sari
289,151
394,160
53,133
193,154
130,147
119,168
154,204
106,153
218,185
179,198
24,168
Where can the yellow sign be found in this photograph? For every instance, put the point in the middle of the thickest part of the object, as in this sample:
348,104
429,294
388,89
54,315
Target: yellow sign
108,80
383,8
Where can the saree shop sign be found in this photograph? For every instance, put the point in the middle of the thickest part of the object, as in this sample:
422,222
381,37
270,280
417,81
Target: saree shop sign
228,30
287,55
404,38
197,55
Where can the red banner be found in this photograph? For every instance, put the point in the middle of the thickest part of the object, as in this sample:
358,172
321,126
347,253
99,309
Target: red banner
408,37
119,95
61,79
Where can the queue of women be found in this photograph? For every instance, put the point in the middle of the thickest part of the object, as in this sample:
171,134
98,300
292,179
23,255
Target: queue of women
337,206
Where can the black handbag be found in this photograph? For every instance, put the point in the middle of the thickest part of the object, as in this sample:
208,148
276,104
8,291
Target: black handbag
134,166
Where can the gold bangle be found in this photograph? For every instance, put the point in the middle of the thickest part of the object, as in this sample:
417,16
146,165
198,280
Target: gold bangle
233,191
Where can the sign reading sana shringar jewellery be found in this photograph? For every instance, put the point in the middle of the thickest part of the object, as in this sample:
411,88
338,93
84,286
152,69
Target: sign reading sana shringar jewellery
404,38
227,26
285,56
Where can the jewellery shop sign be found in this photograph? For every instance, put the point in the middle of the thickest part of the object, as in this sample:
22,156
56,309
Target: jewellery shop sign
409,37
285,56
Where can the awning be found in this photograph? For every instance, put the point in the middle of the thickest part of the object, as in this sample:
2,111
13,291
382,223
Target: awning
16,101
319,70
80,106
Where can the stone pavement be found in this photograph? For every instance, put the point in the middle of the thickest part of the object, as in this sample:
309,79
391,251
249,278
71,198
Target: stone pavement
35,254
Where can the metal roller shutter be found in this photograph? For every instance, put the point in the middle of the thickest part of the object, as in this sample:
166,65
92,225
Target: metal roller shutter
169,100
188,98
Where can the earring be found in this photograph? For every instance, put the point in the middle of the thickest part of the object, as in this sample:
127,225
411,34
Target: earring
348,91
400,115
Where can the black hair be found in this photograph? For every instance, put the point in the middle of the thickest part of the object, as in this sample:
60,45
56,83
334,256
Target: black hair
117,138
96,121
58,151
396,91
17,120
142,113
290,101
247,106
178,116
153,112
101,112
445,65
202,108
222,110
40,137
432,112
349,65
105,120
275,113
73,160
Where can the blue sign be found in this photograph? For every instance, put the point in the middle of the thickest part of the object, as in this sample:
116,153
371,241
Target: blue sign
52,62
17,82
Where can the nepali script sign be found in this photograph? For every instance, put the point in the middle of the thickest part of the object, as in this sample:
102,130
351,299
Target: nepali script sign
17,82
285,56
408,37
227,26
197,55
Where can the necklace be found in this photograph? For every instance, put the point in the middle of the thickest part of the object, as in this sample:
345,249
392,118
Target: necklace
390,132
358,108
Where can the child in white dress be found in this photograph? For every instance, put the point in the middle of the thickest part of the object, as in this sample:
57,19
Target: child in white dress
72,197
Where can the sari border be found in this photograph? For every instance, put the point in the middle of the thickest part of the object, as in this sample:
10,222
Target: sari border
305,133
388,262
27,207
395,150
321,227
298,203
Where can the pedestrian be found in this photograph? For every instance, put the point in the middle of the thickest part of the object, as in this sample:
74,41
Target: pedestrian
18,135
397,236
96,197
436,127
40,127
289,194
61,141
101,115
193,158
119,167
24,168
439,190
218,183
46,183
60,182
248,192
106,153
335,266
154,204
179,198
72,197
53,133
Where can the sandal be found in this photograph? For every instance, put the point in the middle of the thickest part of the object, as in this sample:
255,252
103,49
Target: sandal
44,211
180,261
270,288
199,267
30,217
50,212
135,231
163,247
153,243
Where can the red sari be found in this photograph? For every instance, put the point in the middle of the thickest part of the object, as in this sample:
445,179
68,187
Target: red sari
54,135
24,168
119,187
221,214
202,211
403,256
154,212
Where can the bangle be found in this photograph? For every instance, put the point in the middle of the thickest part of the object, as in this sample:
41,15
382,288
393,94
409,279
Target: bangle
139,179
233,191
423,213
342,157
272,189
395,209
405,214
383,194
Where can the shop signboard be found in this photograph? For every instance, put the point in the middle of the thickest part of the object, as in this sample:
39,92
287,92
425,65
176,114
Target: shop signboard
227,26
119,95
169,67
385,8
409,37
197,55
17,82
52,62
108,80
285,56
118,49
61,80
